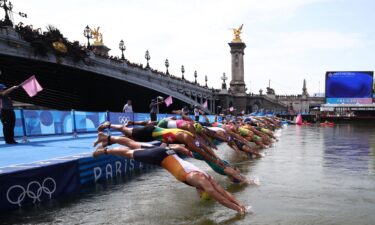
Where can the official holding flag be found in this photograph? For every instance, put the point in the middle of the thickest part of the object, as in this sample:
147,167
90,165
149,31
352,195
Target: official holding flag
7,115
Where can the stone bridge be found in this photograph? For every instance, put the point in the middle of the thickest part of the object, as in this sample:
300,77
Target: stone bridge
12,45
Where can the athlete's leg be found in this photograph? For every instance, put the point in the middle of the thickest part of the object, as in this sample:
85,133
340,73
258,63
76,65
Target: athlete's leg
119,127
104,139
118,151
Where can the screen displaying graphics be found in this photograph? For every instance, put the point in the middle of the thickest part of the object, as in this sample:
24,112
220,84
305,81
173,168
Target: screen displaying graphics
349,87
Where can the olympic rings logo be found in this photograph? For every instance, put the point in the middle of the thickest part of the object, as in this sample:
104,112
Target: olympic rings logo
34,191
123,119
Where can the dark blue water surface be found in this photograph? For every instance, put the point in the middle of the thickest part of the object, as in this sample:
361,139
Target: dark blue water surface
312,175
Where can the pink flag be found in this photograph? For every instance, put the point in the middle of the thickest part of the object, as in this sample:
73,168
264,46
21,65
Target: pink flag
168,101
205,104
299,119
231,109
31,86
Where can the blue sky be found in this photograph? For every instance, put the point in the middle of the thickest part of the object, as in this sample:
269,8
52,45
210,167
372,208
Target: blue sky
287,40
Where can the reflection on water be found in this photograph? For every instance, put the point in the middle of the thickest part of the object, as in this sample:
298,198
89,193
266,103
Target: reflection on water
313,175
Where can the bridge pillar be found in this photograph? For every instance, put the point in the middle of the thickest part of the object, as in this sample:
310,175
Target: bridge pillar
237,84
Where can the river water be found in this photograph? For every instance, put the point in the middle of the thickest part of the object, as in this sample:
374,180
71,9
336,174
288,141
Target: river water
312,175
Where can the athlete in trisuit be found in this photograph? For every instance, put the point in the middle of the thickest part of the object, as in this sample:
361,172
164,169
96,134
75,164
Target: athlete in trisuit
188,125
239,145
222,168
171,136
182,170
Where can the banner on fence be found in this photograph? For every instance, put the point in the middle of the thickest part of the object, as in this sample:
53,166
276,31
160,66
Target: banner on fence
27,187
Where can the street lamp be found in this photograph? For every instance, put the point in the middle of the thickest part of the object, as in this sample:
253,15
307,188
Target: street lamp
224,78
167,65
195,75
88,34
183,71
122,47
6,7
205,78
147,57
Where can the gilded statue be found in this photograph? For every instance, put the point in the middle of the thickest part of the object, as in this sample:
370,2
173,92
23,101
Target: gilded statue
237,33
60,46
98,37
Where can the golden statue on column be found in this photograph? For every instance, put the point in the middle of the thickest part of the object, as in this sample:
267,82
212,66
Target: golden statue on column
237,34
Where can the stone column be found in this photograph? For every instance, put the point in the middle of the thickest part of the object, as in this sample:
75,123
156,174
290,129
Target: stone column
237,84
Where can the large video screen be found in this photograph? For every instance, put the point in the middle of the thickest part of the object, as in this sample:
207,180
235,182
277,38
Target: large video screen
349,87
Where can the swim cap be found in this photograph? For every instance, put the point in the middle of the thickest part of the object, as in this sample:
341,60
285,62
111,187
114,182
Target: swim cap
205,196
198,127
247,120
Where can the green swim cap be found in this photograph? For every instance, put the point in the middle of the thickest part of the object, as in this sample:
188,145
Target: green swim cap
198,127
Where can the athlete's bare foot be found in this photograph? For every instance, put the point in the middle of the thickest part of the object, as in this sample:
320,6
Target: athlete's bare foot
104,125
99,151
101,138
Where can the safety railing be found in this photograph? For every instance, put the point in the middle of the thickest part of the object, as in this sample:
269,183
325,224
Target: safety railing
31,123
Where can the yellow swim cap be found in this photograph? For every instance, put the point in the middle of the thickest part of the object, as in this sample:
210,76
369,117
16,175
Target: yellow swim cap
198,127
205,196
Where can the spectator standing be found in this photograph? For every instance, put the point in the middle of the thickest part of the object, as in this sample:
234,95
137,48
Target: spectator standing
196,113
128,108
7,115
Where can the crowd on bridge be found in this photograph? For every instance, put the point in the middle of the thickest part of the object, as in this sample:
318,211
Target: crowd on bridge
168,142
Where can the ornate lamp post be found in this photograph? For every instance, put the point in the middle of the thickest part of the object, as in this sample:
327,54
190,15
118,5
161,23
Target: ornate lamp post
122,47
6,7
195,75
224,78
205,78
167,65
183,71
87,33
147,57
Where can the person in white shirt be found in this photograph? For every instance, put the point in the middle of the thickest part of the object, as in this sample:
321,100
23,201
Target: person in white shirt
128,108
